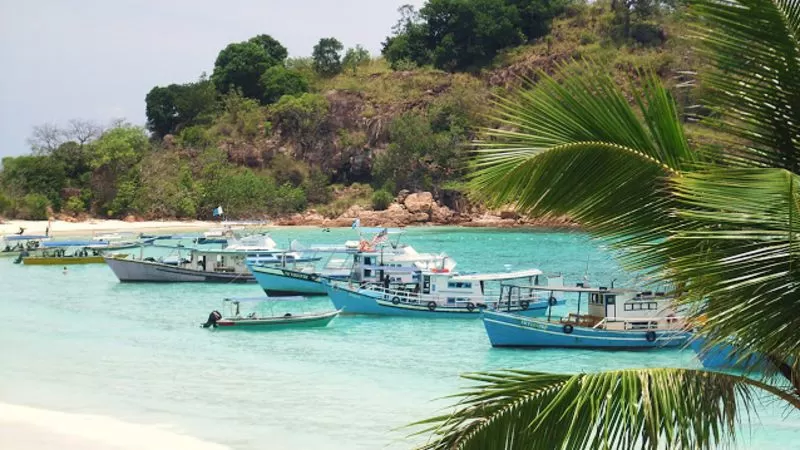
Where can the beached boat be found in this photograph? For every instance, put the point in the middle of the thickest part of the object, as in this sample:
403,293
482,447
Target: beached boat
66,253
615,318
364,261
233,319
442,294
12,245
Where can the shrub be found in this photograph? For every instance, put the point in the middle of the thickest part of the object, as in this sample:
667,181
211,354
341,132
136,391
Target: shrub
34,207
75,205
195,137
278,81
381,200
647,33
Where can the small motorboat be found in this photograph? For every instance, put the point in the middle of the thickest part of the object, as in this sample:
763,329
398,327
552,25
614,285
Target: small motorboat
255,320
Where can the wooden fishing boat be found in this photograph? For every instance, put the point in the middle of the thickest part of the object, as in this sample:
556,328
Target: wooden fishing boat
439,293
59,253
233,319
614,318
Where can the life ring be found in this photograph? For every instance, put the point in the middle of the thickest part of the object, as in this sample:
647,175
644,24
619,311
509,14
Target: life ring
524,304
470,306
650,336
568,329
552,301
431,306
395,300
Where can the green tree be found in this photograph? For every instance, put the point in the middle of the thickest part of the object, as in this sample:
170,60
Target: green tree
41,175
303,118
722,226
173,107
112,158
240,65
355,58
327,57
278,81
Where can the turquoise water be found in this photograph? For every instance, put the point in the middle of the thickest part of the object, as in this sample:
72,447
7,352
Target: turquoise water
82,342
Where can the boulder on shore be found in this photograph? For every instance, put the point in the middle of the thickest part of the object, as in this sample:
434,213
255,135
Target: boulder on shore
419,202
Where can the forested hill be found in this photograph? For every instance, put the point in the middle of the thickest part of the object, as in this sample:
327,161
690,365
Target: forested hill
266,135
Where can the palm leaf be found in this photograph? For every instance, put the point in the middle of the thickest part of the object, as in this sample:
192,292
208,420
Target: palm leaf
754,46
646,408
578,147
739,254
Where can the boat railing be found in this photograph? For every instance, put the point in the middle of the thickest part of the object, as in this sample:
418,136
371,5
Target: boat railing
414,297
640,323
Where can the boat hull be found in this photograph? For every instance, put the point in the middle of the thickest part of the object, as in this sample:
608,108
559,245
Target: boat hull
60,261
277,281
725,357
512,330
131,270
351,302
278,323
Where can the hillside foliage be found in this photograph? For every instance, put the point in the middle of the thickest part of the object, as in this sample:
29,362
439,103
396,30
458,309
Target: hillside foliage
268,135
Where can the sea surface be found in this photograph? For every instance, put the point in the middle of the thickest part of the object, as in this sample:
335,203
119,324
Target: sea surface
81,342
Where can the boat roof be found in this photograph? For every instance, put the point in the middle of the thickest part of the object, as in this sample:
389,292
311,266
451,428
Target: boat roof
575,289
380,229
29,237
499,276
264,299
48,244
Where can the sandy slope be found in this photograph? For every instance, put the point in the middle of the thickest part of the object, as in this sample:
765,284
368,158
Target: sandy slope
60,228
25,428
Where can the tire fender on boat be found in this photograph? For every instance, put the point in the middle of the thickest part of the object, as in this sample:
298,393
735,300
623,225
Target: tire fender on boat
650,336
431,306
524,304
395,300
470,306
552,301
568,329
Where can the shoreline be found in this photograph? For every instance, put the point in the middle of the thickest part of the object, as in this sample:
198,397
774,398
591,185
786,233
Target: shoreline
29,428
59,228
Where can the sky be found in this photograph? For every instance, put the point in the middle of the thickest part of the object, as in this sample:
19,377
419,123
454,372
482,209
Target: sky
97,59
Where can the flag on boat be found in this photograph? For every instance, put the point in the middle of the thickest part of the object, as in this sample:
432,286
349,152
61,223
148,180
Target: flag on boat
217,211
380,237
356,223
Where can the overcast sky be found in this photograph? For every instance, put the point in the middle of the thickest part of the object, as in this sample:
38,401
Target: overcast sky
97,59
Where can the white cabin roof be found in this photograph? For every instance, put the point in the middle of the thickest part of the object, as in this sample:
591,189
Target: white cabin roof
499,276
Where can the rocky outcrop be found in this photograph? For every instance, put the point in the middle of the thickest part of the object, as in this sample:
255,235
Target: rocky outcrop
421,209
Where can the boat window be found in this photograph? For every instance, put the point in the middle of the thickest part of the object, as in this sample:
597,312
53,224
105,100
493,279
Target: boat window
451,300
367,273
368,261
652,305
457,285
637,306
611,299
433,288
595,298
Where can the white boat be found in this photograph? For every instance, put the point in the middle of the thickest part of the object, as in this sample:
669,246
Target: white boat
13,244
233,319
354,261
443,294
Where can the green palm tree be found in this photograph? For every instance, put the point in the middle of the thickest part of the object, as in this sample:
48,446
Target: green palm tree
722,225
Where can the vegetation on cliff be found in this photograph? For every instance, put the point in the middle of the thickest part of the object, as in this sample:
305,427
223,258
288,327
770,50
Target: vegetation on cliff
270,135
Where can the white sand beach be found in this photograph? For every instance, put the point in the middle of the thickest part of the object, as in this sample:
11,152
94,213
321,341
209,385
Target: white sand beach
60,228
26,428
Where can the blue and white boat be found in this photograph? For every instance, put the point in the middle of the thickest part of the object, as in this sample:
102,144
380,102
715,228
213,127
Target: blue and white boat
368,260
439,293
614,318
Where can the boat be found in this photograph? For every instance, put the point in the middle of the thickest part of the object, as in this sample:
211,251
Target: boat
365,260
442,294
615,318
67,252
121,240
726,356
232,319
188,264
12,245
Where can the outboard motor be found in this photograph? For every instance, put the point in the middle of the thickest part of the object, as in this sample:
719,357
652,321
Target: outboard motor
212,319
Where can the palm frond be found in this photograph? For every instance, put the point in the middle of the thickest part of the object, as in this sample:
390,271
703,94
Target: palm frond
578,147
754,46
739,254
646,408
